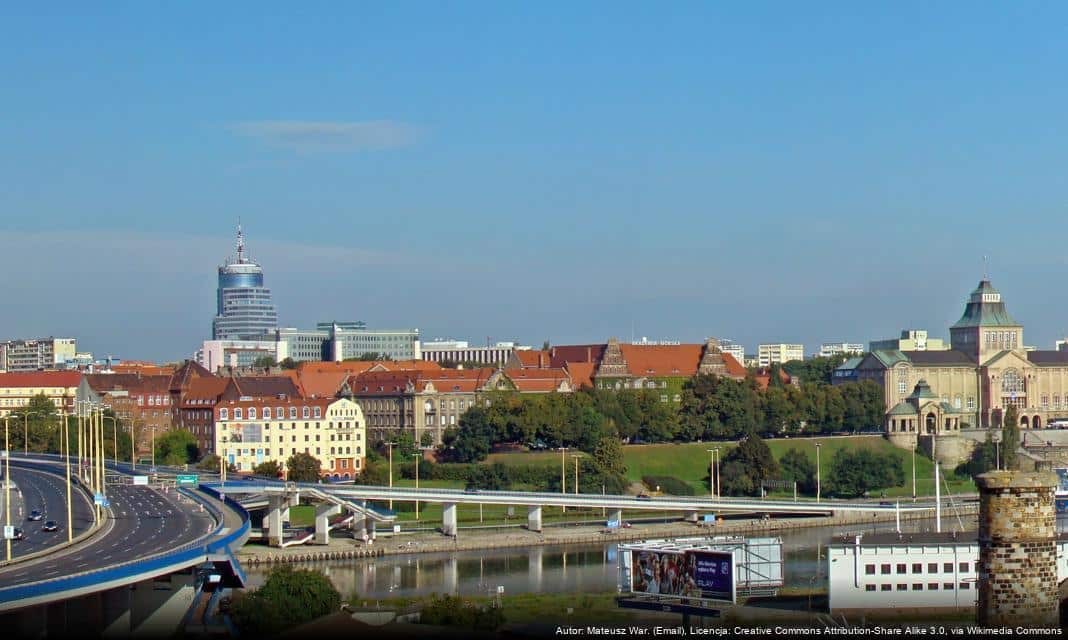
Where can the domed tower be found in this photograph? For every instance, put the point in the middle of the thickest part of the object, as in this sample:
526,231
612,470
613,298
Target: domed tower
986,328
244,310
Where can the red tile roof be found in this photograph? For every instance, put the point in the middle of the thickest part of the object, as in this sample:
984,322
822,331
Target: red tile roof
540,380
576,353
734,368
581,373
533,359
663,360
43,379
205,389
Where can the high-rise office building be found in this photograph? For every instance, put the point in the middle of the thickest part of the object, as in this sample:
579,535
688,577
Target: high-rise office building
244,308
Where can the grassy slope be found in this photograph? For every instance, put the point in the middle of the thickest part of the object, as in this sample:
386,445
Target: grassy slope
689,462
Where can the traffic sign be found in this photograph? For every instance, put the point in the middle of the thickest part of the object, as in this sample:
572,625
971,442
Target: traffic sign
9,532
99,500
187,478
140,481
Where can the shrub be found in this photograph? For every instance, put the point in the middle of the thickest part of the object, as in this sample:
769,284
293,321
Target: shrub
668,484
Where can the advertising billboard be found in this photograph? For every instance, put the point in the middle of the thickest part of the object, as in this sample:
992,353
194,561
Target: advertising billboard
692,574
251,433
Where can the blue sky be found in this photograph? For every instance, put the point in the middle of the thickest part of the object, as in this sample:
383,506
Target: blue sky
757,171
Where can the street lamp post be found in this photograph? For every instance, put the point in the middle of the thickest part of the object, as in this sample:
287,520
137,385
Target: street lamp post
563,476
66,458
719,476
817,472
576,457
390,445
914,473
7,488
418,458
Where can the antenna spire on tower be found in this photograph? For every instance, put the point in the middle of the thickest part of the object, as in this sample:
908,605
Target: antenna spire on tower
986,268
240,243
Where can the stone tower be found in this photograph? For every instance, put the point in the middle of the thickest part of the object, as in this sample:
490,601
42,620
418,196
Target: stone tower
1017,550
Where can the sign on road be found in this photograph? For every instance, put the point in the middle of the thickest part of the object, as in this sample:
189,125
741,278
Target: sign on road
187,478
99,499
140,480
9,532
613,524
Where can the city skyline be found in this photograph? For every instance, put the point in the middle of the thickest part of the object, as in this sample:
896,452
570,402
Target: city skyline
762,173
308,314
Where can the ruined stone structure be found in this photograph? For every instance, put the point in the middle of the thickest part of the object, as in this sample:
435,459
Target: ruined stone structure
1017,550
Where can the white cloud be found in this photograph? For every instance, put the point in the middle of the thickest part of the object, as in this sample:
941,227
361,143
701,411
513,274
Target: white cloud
307,136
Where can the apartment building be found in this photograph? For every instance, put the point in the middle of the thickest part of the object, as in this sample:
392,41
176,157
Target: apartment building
831,349
16,389
457,351
37,354
250,431
769,354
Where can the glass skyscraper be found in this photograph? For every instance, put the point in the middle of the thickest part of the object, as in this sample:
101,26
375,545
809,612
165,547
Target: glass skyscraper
244,308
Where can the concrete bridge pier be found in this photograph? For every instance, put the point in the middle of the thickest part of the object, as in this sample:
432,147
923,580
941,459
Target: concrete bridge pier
691,516
448,518
116,612
616,515
273,519
534,519
322,521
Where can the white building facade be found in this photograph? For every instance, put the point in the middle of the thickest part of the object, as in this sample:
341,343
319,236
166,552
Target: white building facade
456,351
769,354
831,349
251,431
928,572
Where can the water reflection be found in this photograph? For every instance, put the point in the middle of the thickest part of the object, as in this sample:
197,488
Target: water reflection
558,569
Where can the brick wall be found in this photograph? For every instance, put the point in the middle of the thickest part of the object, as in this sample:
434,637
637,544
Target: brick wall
1017,550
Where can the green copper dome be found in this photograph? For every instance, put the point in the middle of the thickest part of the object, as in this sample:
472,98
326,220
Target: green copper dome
985,309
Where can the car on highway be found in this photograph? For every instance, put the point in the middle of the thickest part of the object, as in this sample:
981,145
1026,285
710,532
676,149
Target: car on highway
19,534
643,496
50,526
470,490
35,516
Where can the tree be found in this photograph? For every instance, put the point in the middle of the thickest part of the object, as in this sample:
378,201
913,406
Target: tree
211,462
288,598
854,473
747,465
264,362
176,447
303,467
608,456
545,346
426,440
404,446
797,467
474,437
269,468
37,421
1010,436
288,363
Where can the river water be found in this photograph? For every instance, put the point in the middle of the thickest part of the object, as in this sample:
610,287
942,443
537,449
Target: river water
558,569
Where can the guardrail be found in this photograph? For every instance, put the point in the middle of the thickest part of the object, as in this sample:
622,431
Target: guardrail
187,554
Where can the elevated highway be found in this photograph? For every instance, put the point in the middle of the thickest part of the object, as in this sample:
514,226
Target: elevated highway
535,502
139,573
42,487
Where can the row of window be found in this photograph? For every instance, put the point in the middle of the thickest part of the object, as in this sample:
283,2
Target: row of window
918,586
1005,339
153,400
281,452
279,413
636,384
917,567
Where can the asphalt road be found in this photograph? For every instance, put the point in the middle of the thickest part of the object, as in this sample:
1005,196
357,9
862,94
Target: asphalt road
144,522
43,488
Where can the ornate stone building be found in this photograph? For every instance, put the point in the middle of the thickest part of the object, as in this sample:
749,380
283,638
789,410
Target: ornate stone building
986,369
